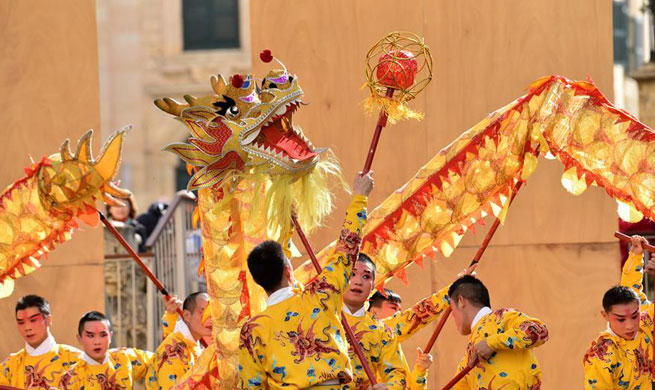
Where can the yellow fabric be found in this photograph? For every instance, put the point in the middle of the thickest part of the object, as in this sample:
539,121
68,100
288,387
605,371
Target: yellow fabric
475,174
402,324
42,209
513,366
170,362
299,342
417,379
381,351
424,312
168,322
125,365
38,372
612,362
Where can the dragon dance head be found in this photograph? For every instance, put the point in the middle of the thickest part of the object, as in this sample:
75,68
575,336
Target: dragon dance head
245,130
40,210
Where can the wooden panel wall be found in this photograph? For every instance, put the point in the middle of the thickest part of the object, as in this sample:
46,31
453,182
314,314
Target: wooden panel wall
555,256
49,92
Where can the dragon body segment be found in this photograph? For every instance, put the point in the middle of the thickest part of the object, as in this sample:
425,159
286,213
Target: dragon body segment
478,172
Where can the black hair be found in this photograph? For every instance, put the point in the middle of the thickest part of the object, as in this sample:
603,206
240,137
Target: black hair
89,317
377,298
365,259
33,301
472,289
266,263
190,301
618,295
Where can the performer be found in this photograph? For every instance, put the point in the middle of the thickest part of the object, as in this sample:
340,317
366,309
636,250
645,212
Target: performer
620,356
298,341
179,351
170,318
384,306
376,339
101,368
42,362
501,340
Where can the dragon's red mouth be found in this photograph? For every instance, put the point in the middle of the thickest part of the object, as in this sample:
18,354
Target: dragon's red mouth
279,138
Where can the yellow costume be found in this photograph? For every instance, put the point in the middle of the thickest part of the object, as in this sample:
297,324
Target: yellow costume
409,321
417,379
120,369
513,366
381,349
174,357
613,362
168,322
38,368
298,340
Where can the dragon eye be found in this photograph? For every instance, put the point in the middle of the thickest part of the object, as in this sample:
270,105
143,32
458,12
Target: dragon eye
233,112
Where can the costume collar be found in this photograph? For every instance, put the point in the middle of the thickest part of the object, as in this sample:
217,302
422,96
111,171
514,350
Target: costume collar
280,295
483,312
182,328
359,313
46,346
90,361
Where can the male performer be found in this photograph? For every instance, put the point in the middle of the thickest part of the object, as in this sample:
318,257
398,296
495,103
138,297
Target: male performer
382,352
620,357
170,318
179,351
41,363
100,368
500,342
298,340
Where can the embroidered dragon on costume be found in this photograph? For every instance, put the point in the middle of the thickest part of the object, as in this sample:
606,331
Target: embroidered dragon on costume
307,344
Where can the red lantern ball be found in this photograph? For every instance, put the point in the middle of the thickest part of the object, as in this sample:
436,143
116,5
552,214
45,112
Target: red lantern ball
397,69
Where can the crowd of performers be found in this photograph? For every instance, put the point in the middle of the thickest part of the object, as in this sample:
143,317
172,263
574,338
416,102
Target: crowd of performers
298,341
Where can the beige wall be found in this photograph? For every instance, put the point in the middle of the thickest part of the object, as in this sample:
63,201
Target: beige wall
48,92
555,256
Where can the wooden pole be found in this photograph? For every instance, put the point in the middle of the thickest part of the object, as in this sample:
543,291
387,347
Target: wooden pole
459,376
5,387
382,122
625,238
141,264
344,322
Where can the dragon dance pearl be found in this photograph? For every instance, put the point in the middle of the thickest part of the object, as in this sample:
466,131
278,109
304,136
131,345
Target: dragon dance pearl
397,69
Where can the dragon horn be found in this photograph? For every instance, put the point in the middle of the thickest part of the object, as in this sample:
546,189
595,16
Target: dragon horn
109,159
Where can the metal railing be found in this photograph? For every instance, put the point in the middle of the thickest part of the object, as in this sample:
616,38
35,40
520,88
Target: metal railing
175,244
125,292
